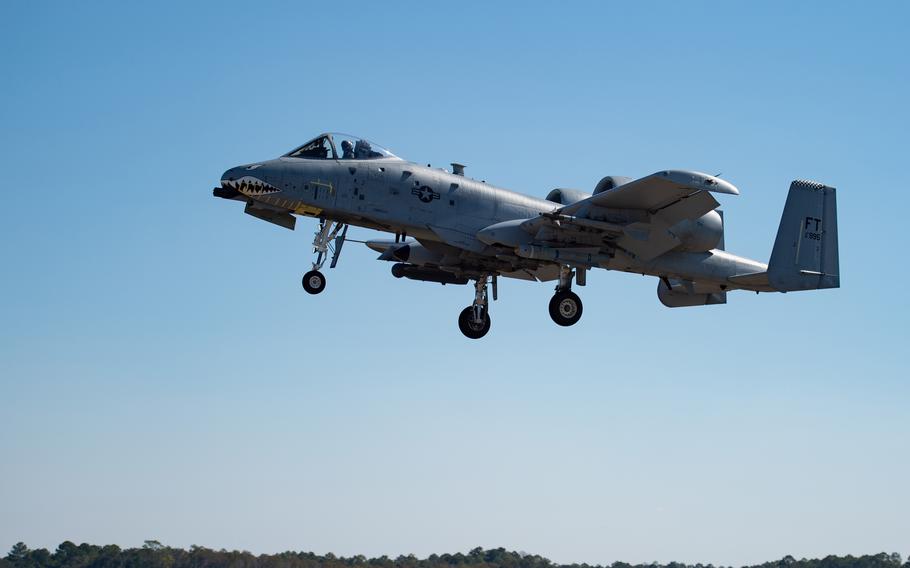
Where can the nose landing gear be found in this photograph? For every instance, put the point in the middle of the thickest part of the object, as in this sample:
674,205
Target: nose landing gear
327,240
314,282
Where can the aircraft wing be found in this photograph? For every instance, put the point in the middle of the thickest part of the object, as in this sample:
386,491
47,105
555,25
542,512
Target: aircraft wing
664,199
652,192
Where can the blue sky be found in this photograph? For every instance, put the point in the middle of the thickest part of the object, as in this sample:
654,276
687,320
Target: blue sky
163,375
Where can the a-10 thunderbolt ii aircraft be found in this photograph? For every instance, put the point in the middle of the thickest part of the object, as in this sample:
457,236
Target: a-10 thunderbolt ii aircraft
452,229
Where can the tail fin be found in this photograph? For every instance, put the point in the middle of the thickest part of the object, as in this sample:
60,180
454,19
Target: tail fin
805,251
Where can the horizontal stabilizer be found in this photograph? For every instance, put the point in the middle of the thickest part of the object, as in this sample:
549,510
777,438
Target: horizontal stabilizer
757,281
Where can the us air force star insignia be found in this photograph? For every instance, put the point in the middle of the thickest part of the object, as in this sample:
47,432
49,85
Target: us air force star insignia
425,193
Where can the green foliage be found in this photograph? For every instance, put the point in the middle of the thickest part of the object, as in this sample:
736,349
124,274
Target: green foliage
153,554
18,553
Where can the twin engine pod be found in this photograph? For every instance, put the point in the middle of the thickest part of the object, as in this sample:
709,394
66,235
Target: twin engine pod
702,234
413,272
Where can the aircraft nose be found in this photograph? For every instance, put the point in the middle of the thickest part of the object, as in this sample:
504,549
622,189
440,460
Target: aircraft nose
229,176
256,180
228,189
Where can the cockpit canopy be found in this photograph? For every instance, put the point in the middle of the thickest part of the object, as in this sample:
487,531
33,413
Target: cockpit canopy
337,146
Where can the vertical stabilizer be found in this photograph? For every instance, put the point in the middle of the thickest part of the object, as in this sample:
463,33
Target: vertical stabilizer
805,251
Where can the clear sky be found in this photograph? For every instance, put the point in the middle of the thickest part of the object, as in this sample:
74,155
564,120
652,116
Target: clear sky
164,376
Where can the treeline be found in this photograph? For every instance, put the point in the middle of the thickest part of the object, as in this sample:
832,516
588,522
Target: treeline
155,555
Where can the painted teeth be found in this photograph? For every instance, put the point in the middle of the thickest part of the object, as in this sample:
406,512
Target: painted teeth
252,186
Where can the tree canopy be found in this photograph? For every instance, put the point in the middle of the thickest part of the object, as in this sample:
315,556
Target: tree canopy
153,554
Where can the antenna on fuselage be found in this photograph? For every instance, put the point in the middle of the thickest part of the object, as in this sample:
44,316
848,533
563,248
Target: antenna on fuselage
458,169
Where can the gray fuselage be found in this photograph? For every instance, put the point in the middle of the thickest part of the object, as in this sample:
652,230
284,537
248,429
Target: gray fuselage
434,205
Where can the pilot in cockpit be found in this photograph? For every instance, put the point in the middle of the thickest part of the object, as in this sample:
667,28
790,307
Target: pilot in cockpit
363,150
347,150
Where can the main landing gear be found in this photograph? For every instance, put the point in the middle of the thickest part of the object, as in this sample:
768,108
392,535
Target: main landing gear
327,241
474,321
565,306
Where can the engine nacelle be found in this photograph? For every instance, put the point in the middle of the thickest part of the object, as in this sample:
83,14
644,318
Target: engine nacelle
610,182
702,234
565,196
412,272
683,296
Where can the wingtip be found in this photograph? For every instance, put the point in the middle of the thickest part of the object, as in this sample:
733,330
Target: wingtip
718,185
700,180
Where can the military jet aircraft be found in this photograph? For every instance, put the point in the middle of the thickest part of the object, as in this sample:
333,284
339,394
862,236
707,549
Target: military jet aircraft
451,229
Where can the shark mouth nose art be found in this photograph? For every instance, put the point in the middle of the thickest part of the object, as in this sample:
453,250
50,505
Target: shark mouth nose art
249,185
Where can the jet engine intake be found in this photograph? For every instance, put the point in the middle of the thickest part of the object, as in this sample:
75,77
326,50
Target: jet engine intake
610,182
413,272
565,196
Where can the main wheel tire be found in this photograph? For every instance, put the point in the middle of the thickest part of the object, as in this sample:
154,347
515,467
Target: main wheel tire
469,327
314,282
565,308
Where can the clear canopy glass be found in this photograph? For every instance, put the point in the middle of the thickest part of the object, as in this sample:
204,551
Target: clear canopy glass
338,146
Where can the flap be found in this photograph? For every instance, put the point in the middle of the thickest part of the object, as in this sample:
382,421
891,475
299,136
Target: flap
647,241
690,207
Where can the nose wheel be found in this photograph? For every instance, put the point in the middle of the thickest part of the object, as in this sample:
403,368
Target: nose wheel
314,282
328,241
